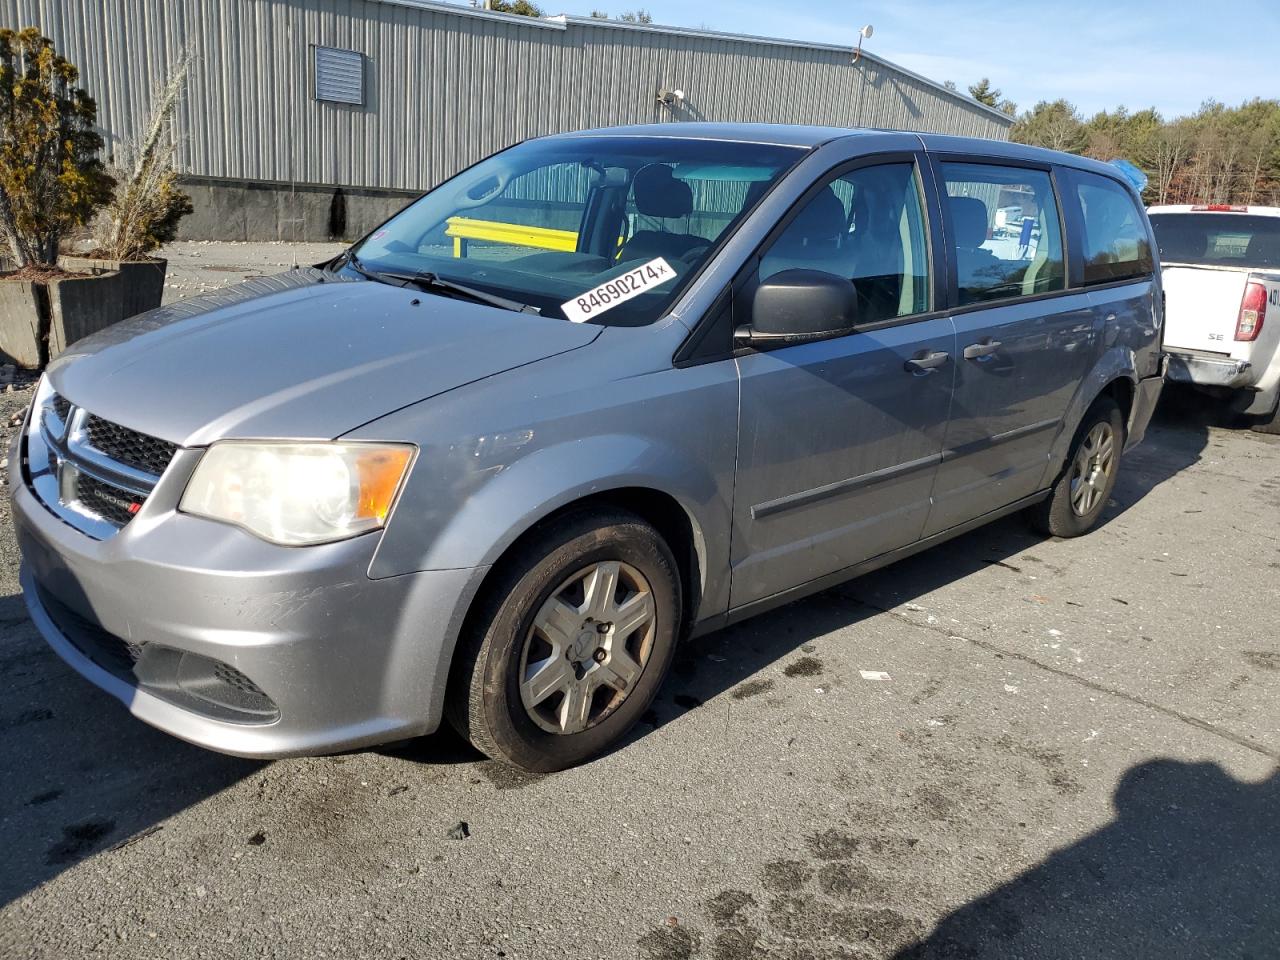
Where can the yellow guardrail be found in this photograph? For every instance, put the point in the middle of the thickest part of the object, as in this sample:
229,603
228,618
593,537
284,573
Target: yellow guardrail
463,229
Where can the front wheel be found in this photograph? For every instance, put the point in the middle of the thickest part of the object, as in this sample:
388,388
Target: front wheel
1085,485
571,643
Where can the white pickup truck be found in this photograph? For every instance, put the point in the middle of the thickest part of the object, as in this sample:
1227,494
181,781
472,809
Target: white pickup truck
1221,269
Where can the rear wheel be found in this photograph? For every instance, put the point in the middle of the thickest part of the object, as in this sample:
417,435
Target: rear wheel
571,645
1085,485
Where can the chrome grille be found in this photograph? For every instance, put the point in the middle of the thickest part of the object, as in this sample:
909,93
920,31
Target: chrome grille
61,406
112,504
136,450
93,473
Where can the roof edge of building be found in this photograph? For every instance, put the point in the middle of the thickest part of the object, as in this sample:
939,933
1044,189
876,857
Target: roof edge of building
514,19
563,20
954,95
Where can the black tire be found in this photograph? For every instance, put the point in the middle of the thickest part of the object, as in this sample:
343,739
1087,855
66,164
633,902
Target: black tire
485,703
1269,423
1057,515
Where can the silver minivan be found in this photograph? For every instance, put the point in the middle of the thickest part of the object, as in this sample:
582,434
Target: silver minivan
596,394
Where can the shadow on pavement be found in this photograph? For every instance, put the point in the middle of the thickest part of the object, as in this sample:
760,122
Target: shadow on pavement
730,658
81,774
84,777
1176,439
1190,867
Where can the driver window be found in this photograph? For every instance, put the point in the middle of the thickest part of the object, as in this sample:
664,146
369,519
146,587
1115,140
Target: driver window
867,227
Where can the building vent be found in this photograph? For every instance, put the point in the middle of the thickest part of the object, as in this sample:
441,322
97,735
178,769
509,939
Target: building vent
339,75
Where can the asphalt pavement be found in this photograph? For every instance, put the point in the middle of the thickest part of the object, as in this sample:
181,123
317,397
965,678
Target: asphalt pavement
1007,747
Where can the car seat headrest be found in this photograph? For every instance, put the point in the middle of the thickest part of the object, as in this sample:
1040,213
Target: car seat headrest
969,215
659,194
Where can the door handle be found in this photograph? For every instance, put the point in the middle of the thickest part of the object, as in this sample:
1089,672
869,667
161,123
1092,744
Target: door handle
976,351
926,363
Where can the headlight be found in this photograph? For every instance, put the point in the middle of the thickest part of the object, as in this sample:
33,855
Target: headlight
298,493
43,394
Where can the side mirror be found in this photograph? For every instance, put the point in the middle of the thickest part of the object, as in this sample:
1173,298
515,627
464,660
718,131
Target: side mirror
795,306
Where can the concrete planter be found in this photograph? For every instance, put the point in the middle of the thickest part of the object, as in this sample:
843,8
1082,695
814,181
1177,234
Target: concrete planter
21,329
79,306
40,320
142,281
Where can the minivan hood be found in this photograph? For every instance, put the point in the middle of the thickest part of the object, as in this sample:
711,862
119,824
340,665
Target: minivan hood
302,354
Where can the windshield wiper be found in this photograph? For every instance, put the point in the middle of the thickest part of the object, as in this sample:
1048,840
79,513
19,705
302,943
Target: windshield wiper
432,282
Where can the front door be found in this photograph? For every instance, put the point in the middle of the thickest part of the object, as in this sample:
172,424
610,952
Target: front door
839,440
1023,342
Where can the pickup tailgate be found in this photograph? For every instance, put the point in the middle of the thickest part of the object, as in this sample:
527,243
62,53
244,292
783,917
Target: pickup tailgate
1202,307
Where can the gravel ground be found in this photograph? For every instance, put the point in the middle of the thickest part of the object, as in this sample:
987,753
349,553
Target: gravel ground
198,266
1074,755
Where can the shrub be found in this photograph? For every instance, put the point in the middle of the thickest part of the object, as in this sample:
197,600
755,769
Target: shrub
51,177
148,204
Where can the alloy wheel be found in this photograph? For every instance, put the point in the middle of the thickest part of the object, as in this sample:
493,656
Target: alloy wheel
1091,472
587,647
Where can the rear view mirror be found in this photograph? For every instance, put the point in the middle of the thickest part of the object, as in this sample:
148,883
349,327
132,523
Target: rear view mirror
798,305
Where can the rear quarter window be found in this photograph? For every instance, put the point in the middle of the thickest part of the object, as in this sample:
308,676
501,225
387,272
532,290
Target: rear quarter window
1115,240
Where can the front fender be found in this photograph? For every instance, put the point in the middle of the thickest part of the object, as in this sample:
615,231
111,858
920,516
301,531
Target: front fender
515,496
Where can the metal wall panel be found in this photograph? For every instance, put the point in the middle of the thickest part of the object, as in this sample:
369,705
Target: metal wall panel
445,86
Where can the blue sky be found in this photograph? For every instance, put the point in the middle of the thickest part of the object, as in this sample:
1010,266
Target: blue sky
1096,54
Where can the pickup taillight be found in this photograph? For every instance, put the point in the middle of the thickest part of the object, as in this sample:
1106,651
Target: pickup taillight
1253,310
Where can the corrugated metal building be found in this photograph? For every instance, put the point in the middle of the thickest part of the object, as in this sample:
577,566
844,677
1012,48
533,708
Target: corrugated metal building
290,99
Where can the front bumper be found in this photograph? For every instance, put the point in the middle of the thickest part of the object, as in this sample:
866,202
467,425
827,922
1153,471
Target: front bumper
321,657
1210,371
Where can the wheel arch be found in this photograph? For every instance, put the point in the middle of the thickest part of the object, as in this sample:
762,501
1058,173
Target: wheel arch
467,517
1121,389
1115,375
656,507
660,509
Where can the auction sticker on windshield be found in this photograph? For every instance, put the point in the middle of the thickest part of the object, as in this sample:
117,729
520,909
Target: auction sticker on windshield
618,290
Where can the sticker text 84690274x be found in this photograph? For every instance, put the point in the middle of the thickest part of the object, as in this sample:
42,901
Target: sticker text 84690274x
618,290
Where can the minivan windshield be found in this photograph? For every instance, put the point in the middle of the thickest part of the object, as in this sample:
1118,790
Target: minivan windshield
1218,239
606,229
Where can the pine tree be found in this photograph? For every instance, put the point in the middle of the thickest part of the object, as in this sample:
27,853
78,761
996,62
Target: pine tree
51,176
